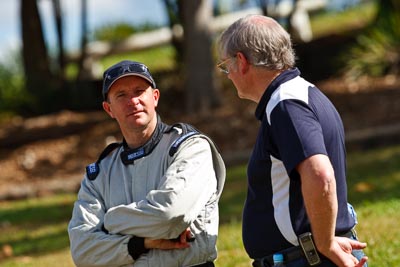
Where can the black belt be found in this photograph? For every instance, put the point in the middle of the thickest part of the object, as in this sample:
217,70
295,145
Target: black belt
290,254
206,264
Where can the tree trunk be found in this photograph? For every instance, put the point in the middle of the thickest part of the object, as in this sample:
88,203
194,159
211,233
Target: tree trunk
35,59
60,39
84,30
199,65
174,10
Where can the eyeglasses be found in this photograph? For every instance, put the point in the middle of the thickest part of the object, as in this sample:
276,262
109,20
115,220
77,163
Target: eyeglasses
223,67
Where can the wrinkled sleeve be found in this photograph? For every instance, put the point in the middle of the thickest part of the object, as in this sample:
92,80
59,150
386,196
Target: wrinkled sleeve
90,245
188,184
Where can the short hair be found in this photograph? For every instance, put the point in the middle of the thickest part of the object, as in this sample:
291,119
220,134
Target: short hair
261,39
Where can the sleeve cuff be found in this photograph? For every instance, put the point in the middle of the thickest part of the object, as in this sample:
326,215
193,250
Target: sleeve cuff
136,247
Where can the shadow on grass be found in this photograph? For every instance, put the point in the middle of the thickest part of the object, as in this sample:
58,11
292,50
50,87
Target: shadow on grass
374,175
40,245
32,215
37,226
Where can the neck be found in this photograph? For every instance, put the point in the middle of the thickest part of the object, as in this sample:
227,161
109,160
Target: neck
139,137
261,84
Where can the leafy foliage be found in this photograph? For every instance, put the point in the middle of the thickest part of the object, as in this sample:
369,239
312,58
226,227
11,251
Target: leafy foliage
377,51
13,93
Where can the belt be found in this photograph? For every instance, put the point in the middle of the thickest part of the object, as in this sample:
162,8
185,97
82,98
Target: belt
291,254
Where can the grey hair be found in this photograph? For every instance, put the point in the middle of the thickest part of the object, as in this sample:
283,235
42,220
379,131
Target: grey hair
262,41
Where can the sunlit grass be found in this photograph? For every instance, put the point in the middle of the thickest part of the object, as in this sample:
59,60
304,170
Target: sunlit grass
369,184
157,59
35,229
379,228
335,23
61,258
230,246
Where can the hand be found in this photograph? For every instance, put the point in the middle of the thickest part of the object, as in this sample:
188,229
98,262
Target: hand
178,243
340,252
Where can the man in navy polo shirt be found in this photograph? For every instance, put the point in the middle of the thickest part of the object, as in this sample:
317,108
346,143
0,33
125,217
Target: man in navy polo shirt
297,171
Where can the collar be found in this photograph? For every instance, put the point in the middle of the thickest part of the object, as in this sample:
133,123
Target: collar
281,78
128,155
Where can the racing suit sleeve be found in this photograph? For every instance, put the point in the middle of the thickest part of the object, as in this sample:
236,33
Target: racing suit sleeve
188,184
90,244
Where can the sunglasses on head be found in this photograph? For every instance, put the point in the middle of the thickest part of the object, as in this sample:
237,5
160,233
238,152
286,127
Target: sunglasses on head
110,75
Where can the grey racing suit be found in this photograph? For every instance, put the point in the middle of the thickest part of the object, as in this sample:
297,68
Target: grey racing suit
158,196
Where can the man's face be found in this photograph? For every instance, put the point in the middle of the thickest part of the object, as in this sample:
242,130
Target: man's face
132,102
233,68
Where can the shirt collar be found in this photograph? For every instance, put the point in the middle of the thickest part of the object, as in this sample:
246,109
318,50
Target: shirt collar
281,78
129,155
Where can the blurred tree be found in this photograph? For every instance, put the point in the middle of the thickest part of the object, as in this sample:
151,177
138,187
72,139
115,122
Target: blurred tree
198,61
82,69
13,94
174,8
35,58
60,39
41,81
194,52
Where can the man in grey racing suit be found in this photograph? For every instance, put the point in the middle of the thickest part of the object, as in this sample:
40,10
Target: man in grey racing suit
151,200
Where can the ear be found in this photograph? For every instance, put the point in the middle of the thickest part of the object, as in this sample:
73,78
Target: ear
243,64
156,96
107,108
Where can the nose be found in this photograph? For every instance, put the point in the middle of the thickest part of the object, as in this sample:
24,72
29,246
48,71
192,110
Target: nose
134,100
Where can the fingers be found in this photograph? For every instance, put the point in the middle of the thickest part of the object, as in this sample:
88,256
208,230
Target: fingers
185,236
190,237
168,244
357,244
362,262
182,237
176,245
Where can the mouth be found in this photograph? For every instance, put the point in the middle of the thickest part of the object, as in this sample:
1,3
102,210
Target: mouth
135,113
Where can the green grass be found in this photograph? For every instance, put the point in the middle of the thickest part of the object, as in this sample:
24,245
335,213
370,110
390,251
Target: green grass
36,228
324,23
157,59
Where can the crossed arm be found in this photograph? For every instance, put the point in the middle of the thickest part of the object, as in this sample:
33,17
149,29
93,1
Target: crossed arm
99,237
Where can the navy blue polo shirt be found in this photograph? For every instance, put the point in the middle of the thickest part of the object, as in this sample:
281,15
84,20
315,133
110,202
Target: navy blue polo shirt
297,121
